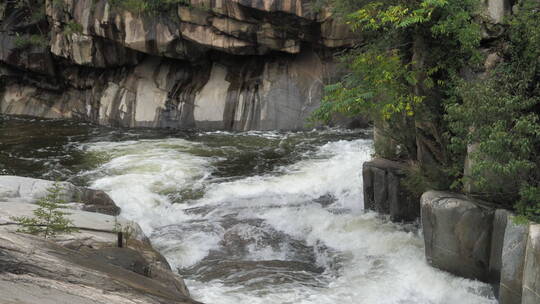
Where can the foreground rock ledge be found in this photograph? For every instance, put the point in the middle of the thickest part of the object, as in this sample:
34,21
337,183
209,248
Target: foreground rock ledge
82,267
33,270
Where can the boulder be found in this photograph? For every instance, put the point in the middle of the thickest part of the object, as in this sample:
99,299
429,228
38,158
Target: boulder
531,273
513,262
457,233
384,191
500,222
29,190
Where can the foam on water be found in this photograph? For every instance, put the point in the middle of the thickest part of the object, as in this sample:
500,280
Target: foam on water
311,208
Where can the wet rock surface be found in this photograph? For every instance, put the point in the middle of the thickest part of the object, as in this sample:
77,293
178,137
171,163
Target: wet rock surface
464,236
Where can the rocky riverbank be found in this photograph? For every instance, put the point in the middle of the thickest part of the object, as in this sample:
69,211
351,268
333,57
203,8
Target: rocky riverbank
464,236
83,267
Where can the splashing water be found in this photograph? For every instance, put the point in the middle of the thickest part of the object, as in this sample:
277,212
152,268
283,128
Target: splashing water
272,218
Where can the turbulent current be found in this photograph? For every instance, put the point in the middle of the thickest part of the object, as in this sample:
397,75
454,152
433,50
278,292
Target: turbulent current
255,217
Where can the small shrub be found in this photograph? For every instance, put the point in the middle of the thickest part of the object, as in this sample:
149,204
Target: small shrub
126,230
48,220
147,6
72,27
22,42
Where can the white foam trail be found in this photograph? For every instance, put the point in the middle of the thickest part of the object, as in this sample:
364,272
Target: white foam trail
142,172
382,264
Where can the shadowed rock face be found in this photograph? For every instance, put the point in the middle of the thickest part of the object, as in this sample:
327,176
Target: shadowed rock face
385,193
233,65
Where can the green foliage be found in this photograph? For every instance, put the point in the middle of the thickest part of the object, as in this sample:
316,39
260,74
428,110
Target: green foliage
147,6
35,9
48,220
403,67
499,116
35,40
421,178
72,27
127,230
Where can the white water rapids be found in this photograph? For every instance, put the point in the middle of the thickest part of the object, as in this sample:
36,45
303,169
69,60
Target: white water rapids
294,234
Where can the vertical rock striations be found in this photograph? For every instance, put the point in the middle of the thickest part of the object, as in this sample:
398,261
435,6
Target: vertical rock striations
385,193
234,65
471,239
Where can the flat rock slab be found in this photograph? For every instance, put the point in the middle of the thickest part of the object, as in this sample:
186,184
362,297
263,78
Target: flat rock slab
29,190
94,227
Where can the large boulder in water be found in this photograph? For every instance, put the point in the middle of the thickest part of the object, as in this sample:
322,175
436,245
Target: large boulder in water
29,190
96,238
457,233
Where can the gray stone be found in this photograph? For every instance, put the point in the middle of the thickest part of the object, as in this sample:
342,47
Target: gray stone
457,234
34,270
500,221
496,10
513,260
179,82
385,193
531,273
94,227
29,190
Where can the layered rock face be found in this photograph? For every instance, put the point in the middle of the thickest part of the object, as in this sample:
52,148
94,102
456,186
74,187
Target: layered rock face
233,65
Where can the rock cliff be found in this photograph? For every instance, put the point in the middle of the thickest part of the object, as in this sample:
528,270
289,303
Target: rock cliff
233,65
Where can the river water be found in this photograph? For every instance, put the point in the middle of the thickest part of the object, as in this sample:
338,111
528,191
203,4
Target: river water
253,217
